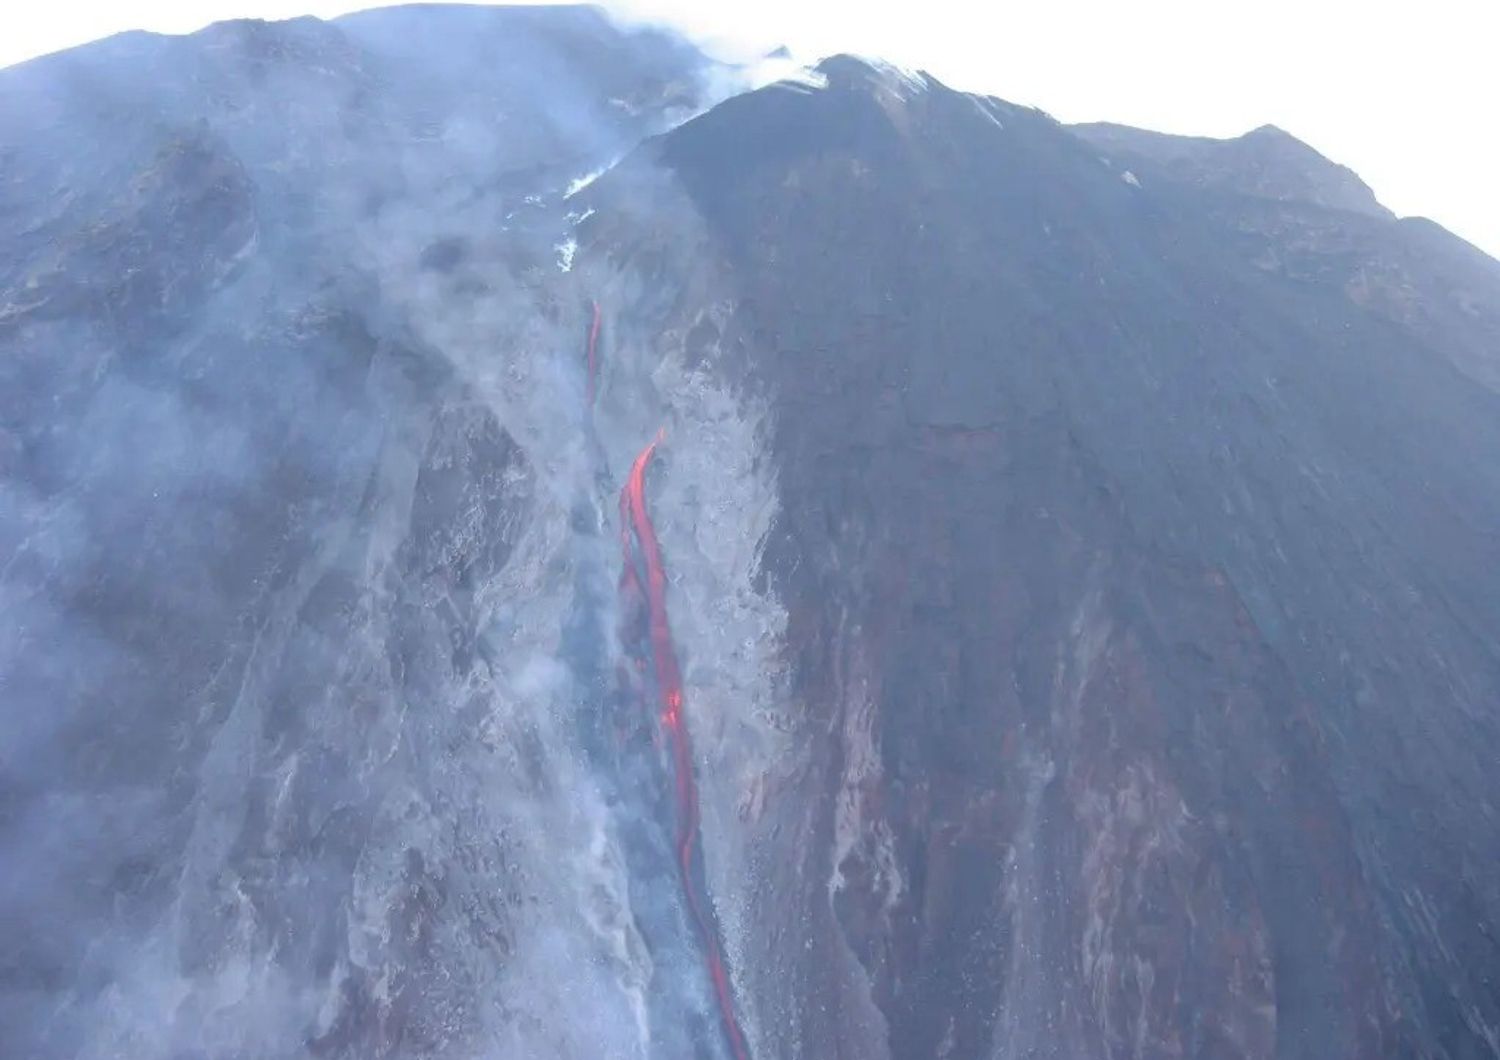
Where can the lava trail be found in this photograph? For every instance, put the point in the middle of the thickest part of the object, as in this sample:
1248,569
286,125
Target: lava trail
593,355
635,523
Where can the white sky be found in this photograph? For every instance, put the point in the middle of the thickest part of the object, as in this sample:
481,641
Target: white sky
1406,94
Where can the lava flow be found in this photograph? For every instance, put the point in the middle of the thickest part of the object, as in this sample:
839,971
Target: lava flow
593,355
634,517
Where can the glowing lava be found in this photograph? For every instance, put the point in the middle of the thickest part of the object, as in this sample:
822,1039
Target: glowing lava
593,355
635,523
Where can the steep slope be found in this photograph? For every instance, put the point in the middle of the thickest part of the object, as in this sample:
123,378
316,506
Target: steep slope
1141,599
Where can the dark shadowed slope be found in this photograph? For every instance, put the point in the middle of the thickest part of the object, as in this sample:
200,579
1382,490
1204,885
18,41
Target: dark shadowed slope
1142,594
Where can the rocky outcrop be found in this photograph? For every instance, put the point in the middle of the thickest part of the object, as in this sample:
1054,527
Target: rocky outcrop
1266,163
1290,211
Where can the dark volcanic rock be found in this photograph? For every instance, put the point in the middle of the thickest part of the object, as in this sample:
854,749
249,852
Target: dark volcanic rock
1080,552
1140,597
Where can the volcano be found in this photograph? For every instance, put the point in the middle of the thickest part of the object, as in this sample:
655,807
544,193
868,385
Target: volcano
1058,615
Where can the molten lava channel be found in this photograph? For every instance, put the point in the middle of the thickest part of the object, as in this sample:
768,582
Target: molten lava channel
638,538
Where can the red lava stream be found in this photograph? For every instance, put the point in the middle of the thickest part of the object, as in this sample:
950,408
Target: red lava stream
635,522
